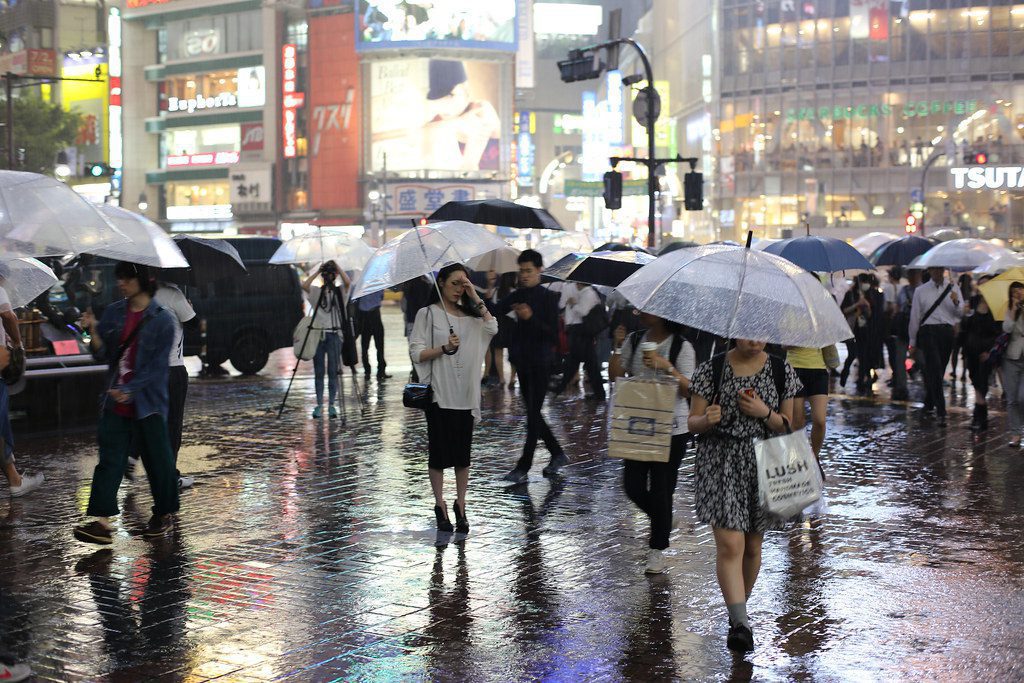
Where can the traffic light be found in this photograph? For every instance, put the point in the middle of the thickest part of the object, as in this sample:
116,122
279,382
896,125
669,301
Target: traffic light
580,66
612,190
980,158
693,191
910,223
98,170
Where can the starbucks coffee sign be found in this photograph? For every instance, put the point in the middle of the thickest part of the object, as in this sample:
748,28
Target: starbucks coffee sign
199,102
913,109
987,178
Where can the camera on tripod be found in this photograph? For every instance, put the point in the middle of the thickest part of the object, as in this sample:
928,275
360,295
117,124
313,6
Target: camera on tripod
329,269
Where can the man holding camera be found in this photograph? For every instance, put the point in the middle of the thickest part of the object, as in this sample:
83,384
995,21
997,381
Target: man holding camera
327,301
935,310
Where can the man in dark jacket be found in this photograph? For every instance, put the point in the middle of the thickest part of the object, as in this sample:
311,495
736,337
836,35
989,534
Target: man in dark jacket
532,345
134,337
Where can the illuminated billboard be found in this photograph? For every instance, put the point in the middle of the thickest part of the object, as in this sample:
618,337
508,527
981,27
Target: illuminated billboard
435,115
489,25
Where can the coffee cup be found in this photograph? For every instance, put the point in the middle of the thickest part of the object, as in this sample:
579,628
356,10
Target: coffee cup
648,349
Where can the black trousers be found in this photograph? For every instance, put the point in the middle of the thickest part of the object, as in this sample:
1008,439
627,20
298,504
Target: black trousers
533,382
582,350
651,485
936,344
372,327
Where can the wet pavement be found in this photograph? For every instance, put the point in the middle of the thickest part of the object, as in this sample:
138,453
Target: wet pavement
307,551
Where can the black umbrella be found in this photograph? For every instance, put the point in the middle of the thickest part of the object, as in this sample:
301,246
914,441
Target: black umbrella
210,260
496,212
607,268
618,246
672,246
901,252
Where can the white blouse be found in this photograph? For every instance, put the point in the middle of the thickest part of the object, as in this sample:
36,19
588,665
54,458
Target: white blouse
455,379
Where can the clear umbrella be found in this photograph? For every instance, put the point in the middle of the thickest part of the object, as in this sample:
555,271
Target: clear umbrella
25,279
501,261
557,246
867,244
41,216
348,251
148,243
422,251
1000,264
962,254
738,293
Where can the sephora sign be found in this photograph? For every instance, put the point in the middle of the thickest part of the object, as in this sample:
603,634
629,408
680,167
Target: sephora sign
987,178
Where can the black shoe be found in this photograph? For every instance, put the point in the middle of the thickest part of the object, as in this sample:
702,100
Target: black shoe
976,419
93,532
596,398
982,418
441,515
558,461
461,523
517,476
900,395
159,526
741,639
383,375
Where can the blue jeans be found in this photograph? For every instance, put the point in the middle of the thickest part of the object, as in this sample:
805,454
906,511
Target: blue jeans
1013,389
329,346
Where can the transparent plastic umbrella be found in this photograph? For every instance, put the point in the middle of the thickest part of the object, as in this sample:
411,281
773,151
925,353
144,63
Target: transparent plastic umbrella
962,254
348,251
867,244
1000,264
501,261
738,293
147,243
557,246
25,279
41,216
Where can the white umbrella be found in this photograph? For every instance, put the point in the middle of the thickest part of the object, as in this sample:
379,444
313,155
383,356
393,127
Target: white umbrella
147,243
867,244
41,216
503,260
24,279
348,251
555,247
962,254
738,293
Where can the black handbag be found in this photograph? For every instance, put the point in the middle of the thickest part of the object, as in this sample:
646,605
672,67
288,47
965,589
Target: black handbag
420,396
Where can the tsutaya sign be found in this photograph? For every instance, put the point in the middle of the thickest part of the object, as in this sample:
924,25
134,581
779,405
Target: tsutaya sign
864,111
988,177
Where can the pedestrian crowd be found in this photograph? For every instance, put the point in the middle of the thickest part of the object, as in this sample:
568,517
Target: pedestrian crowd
460,326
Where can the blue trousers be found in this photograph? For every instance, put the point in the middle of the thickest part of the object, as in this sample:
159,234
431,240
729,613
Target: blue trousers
329,347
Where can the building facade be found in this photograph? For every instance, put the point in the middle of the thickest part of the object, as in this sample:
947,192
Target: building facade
855,112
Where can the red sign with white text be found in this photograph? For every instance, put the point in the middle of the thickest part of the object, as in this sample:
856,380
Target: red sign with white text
252,137
333,121
290,100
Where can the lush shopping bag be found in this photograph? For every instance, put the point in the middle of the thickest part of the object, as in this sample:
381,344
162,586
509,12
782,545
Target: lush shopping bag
788,476
640,418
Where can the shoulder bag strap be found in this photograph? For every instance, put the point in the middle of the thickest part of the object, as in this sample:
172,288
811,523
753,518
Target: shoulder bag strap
935,305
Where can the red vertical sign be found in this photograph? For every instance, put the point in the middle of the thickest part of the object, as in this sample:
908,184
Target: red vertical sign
290,100
334,108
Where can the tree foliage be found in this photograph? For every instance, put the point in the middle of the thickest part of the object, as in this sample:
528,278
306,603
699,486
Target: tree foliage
41,129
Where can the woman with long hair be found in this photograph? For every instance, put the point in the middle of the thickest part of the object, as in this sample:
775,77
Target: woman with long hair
751,398
865,304
447,346
1013,361
979,329
967,290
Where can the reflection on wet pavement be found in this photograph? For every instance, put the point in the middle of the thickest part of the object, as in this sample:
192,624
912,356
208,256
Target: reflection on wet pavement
307,550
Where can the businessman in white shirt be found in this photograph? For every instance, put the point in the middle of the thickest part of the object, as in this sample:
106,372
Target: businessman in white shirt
935,310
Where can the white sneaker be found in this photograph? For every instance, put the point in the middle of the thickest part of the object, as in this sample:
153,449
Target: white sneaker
29,483
11,673
655,562
185,482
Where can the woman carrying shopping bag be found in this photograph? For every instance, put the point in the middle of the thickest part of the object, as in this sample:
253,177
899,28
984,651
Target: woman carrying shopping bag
447,346
736,398
651,484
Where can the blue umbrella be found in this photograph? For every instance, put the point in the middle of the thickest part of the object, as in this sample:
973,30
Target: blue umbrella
902,251
819,254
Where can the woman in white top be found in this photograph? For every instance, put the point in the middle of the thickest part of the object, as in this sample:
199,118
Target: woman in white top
1013,361
450,360
651,484
328,319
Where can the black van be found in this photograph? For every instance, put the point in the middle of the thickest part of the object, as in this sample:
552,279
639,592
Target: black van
243,319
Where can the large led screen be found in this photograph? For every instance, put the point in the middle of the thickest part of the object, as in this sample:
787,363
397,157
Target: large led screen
435,115
485,24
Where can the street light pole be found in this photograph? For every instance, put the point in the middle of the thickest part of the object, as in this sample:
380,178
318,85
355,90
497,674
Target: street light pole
924,198
9,129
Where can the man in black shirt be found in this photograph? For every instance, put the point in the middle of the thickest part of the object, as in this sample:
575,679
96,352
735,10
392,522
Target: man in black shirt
532,351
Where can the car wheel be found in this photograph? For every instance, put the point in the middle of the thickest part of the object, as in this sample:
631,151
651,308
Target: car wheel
249,354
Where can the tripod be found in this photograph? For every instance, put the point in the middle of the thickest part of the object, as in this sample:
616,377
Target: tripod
340,325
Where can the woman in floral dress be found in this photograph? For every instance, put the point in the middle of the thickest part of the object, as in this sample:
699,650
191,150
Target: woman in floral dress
749,406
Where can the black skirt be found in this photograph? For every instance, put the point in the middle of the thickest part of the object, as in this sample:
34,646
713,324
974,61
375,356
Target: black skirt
449,437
